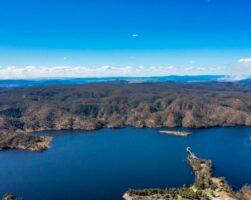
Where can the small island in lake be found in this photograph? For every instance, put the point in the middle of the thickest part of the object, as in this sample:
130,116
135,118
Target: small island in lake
205,186
177,133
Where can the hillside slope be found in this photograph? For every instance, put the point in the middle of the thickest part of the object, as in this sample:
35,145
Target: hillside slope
112,105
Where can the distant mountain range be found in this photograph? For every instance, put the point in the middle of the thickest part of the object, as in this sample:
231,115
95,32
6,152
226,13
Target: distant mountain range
67,81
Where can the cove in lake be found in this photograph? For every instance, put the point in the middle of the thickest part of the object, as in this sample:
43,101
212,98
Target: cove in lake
104,164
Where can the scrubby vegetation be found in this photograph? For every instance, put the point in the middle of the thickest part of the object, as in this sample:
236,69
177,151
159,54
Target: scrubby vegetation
172,193
113,105
21,140
9,196
205,187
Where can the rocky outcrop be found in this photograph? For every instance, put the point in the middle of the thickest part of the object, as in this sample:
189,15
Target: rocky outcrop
245,193
205,186
23,141
9,196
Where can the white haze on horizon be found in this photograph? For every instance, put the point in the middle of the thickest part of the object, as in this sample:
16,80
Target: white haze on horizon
236,71
239,71
35,72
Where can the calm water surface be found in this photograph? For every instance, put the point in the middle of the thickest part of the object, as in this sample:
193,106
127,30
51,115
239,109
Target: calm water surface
103,164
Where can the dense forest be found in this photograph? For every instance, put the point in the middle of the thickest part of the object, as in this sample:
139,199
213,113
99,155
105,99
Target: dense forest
119,104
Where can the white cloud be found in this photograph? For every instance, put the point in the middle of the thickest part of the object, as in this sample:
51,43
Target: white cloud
239,70
244,60
135,35
188,68
33,72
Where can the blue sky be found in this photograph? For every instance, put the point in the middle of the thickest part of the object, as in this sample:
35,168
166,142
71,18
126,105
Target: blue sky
209,34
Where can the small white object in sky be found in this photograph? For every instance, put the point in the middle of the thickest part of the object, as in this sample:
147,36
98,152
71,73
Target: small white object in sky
135,35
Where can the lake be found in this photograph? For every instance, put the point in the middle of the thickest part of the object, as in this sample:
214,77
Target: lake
104,164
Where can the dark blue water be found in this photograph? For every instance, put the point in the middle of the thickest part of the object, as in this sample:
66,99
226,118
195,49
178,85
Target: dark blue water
105,163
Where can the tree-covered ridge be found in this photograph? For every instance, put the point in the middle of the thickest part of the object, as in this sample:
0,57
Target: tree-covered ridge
113,105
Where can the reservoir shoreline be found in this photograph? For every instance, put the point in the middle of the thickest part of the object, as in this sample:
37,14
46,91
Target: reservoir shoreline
28,140
84,162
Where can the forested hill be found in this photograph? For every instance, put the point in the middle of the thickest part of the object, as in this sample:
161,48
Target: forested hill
112,105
